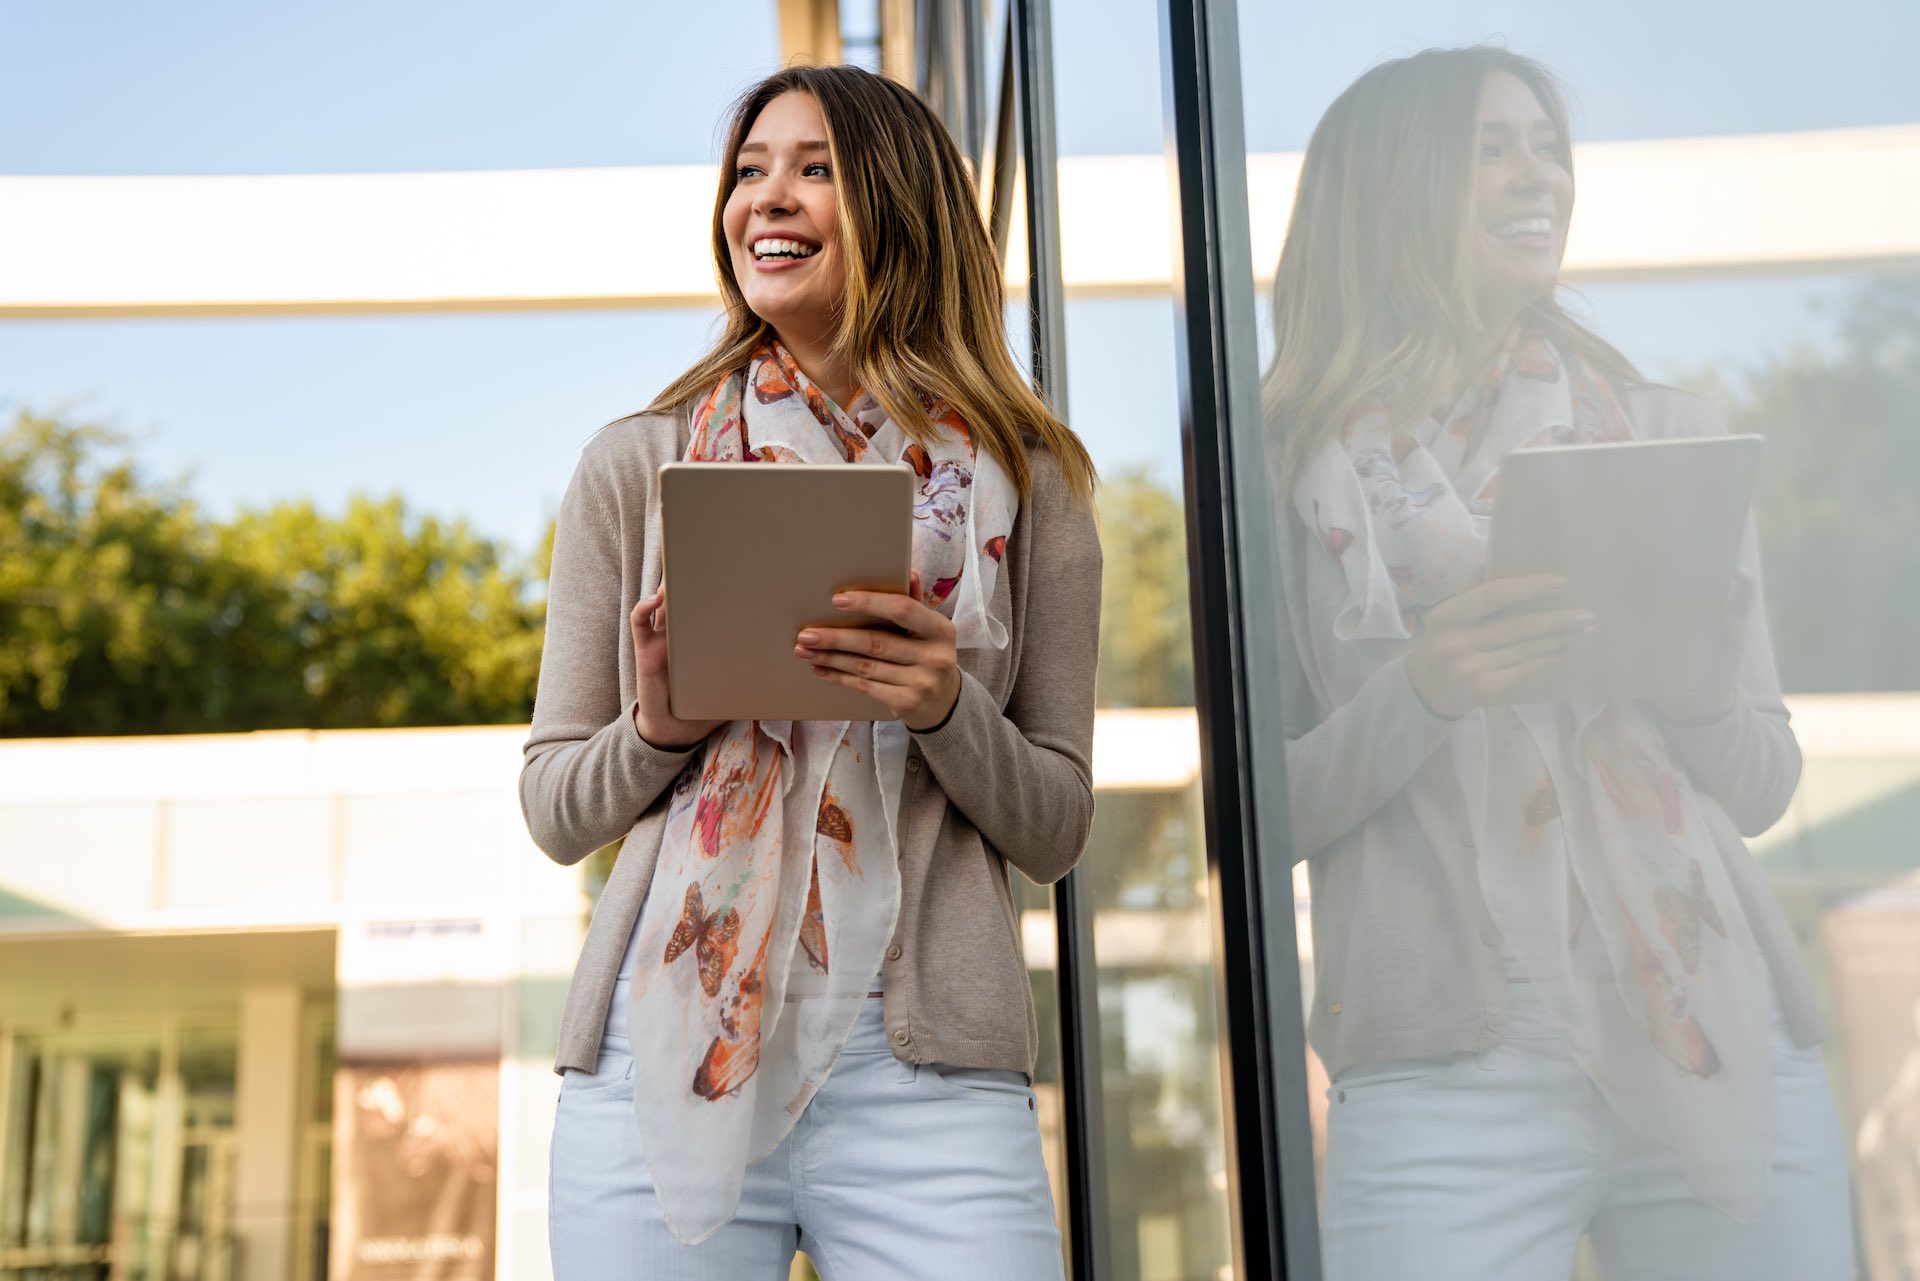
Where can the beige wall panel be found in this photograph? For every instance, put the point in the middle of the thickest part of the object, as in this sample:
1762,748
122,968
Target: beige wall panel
79,860
422,850
636,237
253,853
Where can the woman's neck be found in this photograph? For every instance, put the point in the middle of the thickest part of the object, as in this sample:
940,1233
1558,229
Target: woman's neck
814,356
1479,349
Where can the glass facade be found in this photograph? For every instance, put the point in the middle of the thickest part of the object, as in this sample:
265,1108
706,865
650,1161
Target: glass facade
120,1153
1598,965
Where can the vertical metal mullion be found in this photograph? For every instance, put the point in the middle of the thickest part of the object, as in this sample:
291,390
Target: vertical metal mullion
1002,159
1030,31
972,25
1236,661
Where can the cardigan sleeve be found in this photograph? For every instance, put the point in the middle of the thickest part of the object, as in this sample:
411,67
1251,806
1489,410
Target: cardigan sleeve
1748,760
1344,764
587,774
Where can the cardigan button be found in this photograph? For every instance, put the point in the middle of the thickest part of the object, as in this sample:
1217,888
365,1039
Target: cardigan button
893,953
900,1036
913,764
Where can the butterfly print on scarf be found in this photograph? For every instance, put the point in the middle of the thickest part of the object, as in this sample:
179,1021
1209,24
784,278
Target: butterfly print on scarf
837,826
1336,540
1539,363
1388,494
1638,779
770,385
813,926
732,1058
1543,807
713,938
1682,915
712,808
996,548
942,498
1676,1034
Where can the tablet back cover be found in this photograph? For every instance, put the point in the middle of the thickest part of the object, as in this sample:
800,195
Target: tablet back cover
755,552
1646,534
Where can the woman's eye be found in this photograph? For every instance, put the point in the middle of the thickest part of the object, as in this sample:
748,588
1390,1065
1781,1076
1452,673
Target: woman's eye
817,170
745,171
1489,151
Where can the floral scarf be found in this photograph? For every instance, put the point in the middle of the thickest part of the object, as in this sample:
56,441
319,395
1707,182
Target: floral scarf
1593,855
780,855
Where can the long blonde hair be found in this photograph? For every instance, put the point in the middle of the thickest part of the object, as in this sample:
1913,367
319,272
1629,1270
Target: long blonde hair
924,312
1374,292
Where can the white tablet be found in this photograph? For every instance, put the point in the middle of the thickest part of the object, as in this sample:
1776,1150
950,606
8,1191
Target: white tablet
1646,534
754,552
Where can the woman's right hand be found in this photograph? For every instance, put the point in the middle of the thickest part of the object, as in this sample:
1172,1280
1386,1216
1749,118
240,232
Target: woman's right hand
651,715
1474,647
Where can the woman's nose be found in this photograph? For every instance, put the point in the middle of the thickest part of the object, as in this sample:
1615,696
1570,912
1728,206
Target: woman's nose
1530,175
774,196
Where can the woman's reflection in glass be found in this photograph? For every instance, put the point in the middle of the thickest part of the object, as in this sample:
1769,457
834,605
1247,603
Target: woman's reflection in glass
1553,991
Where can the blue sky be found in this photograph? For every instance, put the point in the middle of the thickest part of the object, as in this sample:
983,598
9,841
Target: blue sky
481,415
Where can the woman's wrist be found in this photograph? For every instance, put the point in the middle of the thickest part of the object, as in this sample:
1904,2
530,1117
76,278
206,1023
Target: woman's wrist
653,739
953,705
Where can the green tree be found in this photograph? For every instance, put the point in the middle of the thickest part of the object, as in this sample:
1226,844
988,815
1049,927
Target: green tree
1838,507
124,610
1146,658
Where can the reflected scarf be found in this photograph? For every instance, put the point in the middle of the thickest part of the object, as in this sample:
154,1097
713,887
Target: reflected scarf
1593,854
782,839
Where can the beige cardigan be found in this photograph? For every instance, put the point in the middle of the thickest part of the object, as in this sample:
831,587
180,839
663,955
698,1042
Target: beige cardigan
1008,778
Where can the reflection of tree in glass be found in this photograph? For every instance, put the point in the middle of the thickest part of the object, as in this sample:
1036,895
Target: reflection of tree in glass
1839,507
1145,657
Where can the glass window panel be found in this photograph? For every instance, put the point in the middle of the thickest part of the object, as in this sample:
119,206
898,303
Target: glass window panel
1592,879
1145,870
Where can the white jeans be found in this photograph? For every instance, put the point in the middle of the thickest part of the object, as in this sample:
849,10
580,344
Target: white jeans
893,1171
1490,1167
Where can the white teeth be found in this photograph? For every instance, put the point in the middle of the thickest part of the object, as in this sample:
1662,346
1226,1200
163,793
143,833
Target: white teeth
790,248
1515,228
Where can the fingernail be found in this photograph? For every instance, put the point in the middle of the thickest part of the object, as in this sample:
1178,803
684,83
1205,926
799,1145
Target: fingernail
812,638
842,601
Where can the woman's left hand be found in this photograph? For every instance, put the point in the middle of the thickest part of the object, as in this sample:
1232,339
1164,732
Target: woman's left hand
917,675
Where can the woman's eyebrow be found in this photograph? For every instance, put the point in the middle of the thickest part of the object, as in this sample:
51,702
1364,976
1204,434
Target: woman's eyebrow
745,147
1540,125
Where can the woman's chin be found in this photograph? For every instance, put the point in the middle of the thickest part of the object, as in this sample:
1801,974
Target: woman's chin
1512,294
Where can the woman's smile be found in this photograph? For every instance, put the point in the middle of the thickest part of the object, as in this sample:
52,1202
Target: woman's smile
781,251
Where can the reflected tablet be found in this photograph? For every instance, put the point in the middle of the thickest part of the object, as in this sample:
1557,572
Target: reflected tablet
755,552
1646,534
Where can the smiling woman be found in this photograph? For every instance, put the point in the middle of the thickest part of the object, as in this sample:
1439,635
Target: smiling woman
802,1012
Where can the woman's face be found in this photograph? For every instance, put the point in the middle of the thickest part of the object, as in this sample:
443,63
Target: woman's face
1523,198
781,222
